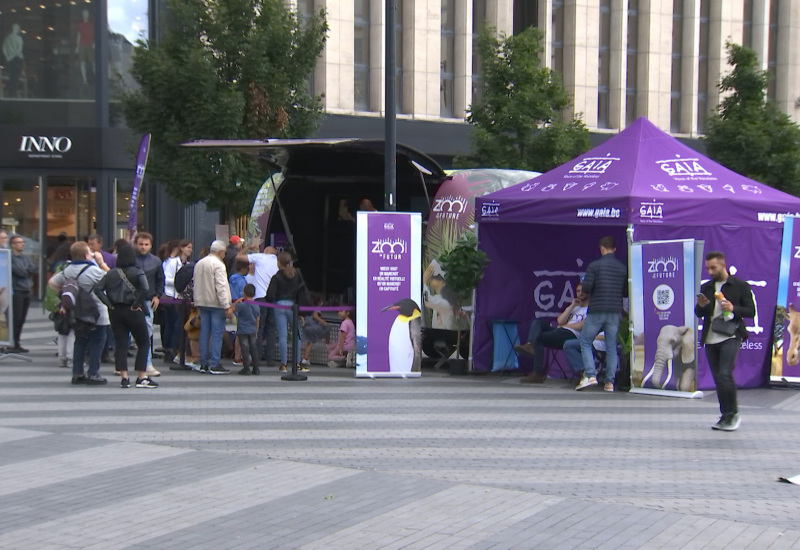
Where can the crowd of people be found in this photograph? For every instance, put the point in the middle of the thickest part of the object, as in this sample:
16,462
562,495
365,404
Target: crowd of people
105,305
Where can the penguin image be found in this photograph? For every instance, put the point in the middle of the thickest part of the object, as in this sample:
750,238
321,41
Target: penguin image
405,337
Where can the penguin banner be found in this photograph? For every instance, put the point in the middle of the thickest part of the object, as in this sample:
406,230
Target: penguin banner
388,294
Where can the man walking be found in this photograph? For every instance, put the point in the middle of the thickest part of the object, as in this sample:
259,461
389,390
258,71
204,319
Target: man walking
212,297
22,270
731,299
151,265
606,283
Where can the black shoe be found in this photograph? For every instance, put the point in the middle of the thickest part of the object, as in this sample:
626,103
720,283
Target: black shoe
219,369
124,383
256,370
203,369
96,380
18,349
728,423
145,383
245,371
79,379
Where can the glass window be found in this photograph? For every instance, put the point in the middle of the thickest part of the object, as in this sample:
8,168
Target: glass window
48,49
604,65
772,56
124,187
630,77
448,46
557,53
127,23
747,33
675,71
478,20
526,14
702,66
398,56
361,55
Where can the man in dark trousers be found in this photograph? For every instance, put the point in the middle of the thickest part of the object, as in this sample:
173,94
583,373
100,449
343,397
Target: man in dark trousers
606,283
733,302
22,270
151,265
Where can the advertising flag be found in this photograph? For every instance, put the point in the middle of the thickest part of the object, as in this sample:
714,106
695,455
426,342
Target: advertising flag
388,293
141,164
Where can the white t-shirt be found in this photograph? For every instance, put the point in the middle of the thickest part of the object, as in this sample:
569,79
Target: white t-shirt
576,316
266,265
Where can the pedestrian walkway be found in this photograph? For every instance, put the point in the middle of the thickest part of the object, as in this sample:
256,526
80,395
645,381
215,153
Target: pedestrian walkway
472,462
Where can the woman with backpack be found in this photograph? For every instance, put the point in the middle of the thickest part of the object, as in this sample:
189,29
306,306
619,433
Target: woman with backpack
123,290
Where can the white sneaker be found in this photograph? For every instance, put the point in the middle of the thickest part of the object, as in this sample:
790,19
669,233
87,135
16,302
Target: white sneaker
586,383
304,362
151,371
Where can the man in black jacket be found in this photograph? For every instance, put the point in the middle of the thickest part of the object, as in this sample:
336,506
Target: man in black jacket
735,303
22,270
151,265
606,283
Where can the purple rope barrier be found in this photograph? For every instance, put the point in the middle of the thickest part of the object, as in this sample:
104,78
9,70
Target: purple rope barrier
274,306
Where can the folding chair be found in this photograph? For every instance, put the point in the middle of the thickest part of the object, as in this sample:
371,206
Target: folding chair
505,336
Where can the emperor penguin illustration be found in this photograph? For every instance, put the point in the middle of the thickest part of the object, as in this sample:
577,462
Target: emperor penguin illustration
405,337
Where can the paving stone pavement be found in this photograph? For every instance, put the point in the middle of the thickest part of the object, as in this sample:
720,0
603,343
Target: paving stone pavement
470,462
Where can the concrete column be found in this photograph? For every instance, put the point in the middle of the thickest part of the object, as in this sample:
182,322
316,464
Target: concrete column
787,71
320,69
377,55
618,64
655,61
499,14
337,58
462,79
726,24
760,31
689,68
426,38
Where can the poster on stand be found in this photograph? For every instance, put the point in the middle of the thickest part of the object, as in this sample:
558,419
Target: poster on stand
388,295
6,314
785,366
665,276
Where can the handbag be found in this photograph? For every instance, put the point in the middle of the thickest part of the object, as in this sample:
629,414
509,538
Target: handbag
726,328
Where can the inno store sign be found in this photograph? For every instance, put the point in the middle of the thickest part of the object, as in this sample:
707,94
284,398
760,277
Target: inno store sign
45,146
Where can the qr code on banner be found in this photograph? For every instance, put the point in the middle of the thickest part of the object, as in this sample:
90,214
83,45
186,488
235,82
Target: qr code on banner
663,297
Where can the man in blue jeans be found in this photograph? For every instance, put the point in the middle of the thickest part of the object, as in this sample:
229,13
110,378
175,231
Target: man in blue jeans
212,296
606,283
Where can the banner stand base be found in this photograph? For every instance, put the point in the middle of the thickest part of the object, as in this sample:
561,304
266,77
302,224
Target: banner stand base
294,377
387,375
668,393
12,355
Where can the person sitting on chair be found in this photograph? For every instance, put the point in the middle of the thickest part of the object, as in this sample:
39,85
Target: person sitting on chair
542,335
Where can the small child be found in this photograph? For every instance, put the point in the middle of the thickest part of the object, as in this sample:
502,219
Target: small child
237,280
344,354
314,329
192,328
247,316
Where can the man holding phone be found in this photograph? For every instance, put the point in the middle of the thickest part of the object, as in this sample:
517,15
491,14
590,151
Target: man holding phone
733,300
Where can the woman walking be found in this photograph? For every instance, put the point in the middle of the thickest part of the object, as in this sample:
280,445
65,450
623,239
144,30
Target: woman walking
171,329
285,288
123,290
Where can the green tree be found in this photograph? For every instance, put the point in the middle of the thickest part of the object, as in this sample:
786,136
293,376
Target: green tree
518,120
750,135
227,69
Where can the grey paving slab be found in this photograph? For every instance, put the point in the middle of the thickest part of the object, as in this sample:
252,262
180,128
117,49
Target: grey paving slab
439,462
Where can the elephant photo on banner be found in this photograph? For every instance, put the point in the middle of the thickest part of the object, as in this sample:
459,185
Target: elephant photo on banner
675,363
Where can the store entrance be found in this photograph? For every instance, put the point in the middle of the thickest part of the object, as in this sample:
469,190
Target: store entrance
68,203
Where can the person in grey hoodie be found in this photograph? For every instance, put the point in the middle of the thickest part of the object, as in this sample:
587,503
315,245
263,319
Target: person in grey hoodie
88,275
22,270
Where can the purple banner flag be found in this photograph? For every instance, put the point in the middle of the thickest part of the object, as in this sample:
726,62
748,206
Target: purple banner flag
665,329
388,314
786,347
141,164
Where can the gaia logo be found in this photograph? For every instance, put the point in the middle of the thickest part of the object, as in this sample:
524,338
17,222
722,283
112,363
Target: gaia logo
390,249
490,210
651,210
594,165
680,168
663,267
449,207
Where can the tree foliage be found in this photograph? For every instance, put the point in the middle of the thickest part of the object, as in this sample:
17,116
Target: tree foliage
222,69
750,135
517,121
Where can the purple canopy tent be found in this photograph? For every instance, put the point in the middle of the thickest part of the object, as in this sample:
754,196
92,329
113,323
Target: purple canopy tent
541,234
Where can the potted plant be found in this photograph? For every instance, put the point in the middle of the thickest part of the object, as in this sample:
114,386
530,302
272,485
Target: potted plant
625,340
463,267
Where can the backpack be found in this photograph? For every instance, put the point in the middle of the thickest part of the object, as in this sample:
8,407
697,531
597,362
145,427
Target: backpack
79,305
184,281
